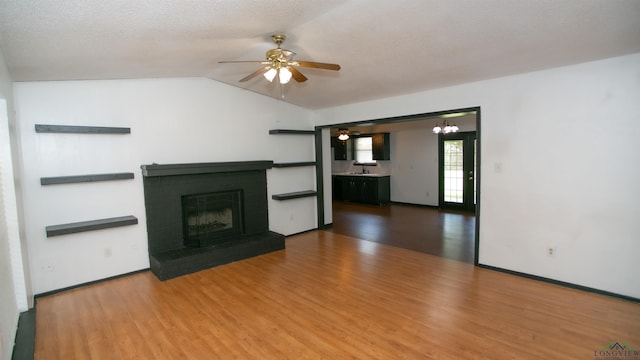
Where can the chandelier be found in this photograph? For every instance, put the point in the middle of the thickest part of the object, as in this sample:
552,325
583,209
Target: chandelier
445,128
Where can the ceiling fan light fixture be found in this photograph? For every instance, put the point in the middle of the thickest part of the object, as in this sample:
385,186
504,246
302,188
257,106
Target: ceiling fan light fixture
271,74
343,134
284,75
280,63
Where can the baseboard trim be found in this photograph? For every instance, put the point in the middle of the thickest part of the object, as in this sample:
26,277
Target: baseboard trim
416,205
326,226
301,232
24,346
53,292
561,283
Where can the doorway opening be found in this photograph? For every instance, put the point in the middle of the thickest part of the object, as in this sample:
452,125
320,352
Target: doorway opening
422,190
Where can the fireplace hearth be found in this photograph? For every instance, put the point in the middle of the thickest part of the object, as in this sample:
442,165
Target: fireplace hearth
206,214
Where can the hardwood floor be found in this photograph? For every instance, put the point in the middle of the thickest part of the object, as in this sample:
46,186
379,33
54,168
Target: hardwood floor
449,234
329,296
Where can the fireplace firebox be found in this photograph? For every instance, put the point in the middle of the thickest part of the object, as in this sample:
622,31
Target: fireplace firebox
212,218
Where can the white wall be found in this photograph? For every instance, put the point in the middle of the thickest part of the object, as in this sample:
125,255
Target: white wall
414,163
13,291
171,121
564,140
414,177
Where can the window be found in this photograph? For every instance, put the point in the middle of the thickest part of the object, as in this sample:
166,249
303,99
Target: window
363,149
453,171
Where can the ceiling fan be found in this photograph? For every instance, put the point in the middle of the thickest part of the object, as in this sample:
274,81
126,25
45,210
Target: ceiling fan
280,63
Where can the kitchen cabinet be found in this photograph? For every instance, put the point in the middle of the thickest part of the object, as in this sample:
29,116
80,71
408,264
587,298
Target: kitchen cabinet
381,148
362,188
339,149
336,184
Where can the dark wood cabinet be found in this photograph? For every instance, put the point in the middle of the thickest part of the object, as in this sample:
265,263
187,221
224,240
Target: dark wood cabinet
381,146
337,187
362,189
339,149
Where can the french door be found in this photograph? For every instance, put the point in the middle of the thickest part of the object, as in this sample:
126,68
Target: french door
457,171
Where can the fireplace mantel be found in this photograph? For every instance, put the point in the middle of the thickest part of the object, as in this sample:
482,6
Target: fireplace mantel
204,168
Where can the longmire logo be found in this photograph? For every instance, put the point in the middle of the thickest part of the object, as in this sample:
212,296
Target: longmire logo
618,350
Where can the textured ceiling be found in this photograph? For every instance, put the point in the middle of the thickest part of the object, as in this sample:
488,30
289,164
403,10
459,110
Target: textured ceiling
385,48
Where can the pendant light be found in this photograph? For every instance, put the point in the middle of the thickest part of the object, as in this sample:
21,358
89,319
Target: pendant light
343,134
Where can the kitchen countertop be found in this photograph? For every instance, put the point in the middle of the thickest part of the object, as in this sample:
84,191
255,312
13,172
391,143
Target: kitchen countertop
360,174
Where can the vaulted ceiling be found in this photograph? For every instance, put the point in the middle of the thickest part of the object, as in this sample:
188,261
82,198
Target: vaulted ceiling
386,48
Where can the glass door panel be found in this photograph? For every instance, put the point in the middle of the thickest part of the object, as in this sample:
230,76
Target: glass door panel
457,171
453,171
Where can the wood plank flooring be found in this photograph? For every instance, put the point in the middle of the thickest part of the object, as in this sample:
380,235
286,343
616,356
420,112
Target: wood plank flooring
329,296
449,234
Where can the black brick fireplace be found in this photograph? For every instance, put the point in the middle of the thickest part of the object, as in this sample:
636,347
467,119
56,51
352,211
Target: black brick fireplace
206,214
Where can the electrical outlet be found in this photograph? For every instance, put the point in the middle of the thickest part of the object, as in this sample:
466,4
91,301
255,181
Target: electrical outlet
551,251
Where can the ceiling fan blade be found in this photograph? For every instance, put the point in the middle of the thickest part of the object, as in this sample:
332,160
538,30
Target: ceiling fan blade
255,73
297,75
317,65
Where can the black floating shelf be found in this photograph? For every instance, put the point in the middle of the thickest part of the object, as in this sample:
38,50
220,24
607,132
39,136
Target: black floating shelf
84,178
294,195
294,164
63,229
291,132
74,129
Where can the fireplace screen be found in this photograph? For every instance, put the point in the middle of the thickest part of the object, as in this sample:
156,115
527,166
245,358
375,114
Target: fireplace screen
210,219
